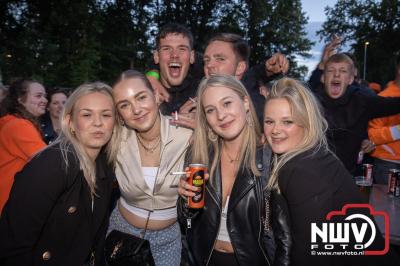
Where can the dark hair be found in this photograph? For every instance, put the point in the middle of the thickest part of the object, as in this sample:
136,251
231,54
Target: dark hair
11,104
56,90
398,61
134,74
239,45
174,28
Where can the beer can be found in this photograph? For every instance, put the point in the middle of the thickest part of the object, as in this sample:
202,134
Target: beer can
396,191
196,178
367,172
393,175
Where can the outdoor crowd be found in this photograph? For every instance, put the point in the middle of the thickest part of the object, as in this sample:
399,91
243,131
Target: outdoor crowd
281,154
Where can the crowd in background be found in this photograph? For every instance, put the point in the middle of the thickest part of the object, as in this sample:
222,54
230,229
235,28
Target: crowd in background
76,165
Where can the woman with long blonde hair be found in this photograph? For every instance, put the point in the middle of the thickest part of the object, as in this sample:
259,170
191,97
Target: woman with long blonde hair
306,173
229,229
58,208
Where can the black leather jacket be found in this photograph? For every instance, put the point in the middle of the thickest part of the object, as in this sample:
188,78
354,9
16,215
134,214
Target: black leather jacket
245,223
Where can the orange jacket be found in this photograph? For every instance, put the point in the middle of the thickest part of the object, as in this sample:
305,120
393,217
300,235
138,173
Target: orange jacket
385,131
19,140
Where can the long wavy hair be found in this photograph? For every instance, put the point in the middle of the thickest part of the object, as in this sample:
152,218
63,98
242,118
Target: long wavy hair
202,142
67,139
306,113
12,103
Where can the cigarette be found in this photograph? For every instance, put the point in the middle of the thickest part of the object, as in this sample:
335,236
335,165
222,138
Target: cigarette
176,115
178,173
193,100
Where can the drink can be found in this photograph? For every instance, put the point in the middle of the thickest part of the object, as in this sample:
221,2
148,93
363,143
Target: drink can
196,178
393,175
367,172
396,191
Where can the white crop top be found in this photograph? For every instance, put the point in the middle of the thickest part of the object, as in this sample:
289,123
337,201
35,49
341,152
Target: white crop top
149,174
223,231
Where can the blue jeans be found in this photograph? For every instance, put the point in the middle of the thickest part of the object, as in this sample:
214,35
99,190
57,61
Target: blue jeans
381,170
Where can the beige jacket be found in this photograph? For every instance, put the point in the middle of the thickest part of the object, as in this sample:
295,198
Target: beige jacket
133,187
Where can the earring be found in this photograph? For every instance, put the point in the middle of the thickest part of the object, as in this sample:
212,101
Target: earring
72,131
211,135
121,122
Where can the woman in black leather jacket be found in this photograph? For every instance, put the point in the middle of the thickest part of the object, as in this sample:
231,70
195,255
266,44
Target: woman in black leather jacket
231,228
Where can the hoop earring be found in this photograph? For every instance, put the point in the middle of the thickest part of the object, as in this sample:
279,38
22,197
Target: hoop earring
211,135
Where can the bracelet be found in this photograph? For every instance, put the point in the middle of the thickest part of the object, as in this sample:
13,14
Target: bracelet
153,74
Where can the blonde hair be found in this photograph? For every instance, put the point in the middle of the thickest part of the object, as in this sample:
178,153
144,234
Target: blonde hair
306,113
66,138
201,140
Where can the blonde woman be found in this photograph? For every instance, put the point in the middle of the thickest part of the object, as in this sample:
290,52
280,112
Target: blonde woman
151,150
58,207
229,230
312,180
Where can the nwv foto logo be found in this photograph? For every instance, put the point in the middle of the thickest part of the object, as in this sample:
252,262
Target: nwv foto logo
352,230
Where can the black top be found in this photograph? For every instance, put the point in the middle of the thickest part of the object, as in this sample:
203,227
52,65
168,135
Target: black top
314,184
49,135
244,220
348,118
49,217
179,95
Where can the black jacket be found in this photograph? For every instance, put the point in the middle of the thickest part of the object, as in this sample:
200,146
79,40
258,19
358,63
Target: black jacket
48,219
348,118
49,135
252,246
315,183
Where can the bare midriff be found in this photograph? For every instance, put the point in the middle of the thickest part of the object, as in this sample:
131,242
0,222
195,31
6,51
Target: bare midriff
223,246
140,222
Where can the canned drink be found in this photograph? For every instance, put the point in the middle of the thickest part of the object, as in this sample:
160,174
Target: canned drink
196,178
396,191
392,180
367,172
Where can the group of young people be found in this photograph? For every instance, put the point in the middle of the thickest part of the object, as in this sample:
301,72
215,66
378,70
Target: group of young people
262,193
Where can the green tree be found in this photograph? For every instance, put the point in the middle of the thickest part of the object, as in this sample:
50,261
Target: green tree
123,38
68,42
278,25
376,22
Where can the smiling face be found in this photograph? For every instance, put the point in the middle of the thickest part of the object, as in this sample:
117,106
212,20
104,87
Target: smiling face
35,101
225,111
136,104
219,58
92,121
337,77
56,104
174,55
280,129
